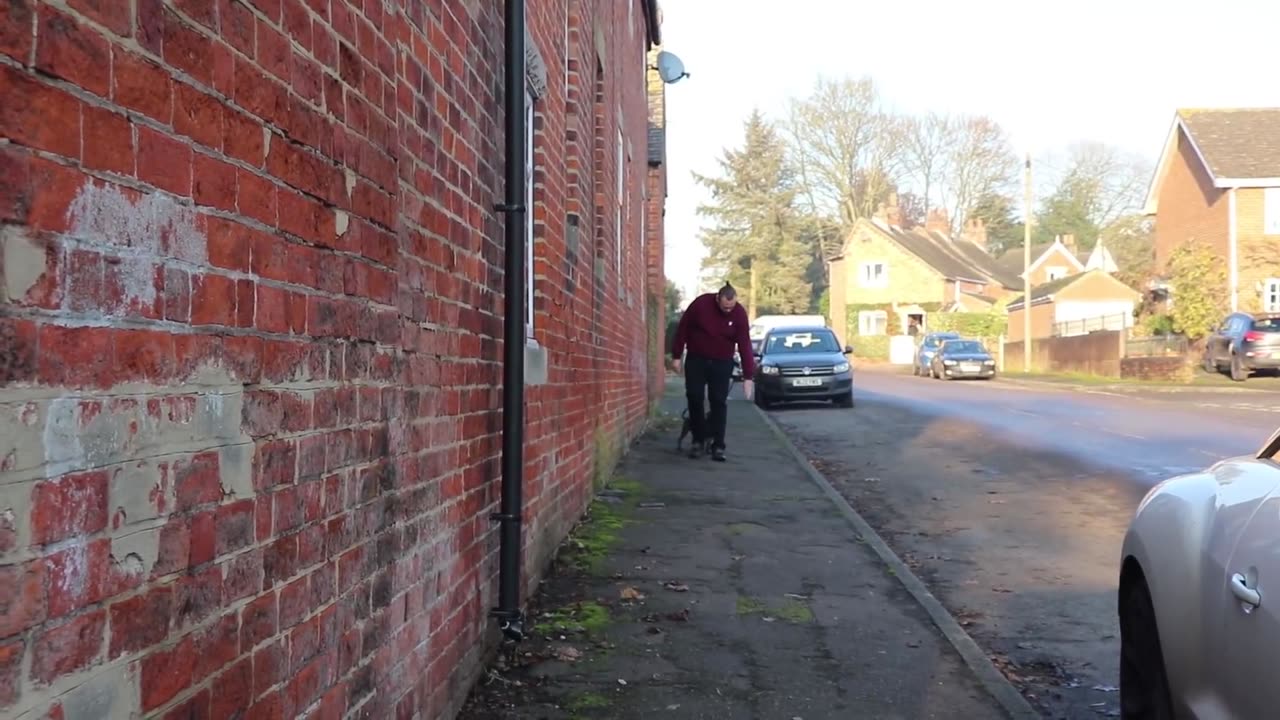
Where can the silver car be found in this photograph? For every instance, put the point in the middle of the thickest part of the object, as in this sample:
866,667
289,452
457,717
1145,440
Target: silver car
1199,597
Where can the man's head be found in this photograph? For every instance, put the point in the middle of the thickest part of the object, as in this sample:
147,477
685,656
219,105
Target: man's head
727,298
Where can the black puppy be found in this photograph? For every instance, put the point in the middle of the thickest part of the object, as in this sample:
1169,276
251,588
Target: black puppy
685,428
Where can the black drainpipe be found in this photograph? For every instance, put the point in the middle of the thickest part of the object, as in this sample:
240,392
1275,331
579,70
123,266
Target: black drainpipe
508,610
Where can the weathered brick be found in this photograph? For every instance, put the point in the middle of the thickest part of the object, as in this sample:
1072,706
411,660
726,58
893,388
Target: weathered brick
15,29
73,505
72,51
68,647
11,653
115,16
141,85
108,141
141,621
47,119
164,161
165,673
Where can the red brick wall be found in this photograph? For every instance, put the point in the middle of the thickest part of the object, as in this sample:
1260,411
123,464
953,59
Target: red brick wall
1189,207
251,337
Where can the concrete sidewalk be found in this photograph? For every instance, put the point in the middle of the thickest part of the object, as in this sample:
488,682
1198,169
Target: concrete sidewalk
730,590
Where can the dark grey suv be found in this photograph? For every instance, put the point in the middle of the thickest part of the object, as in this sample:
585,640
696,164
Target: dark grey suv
1243,344
803,363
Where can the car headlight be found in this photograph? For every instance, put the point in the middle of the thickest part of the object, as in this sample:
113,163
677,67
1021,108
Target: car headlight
842,367
948,363
769,369
989,362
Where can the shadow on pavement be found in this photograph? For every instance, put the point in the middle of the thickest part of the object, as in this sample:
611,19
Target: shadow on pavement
698,589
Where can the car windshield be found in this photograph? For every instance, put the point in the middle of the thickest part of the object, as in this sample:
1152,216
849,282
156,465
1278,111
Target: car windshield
935,341
805,341
964,346
1271,324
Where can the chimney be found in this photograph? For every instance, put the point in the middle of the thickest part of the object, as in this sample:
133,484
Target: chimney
937,222
892,214
1070,241
975,231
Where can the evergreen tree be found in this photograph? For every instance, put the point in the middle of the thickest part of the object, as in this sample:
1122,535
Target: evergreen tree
757,239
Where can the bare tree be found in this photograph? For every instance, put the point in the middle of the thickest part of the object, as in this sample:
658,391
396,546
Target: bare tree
979,160
845,147
926,144
1094,187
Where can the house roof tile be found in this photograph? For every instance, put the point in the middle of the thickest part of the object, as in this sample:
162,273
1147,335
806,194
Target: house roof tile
953,257
1236,143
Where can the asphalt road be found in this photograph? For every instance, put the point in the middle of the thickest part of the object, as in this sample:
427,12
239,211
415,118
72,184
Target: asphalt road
1011,501
1149,433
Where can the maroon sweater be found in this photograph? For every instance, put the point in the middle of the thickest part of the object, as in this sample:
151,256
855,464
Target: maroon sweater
713,333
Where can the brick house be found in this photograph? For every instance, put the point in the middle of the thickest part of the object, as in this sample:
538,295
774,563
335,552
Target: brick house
250,345
885,270
1074,305
1218,182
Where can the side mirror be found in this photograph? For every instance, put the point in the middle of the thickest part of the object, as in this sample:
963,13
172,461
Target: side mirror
848,349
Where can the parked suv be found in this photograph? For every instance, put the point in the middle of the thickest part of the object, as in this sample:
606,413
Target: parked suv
928,346
1243,344
803,363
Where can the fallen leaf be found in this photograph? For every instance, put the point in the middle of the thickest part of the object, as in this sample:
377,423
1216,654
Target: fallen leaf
677,587
1001,589
681,616
1105,688
621,681
568,653
630,593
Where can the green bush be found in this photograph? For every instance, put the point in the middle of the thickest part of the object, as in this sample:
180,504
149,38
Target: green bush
870,347
976,325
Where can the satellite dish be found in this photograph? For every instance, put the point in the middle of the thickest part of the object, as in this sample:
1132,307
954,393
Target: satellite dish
670,68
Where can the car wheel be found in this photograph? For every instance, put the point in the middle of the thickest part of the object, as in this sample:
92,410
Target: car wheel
1238,371
1144,687
1210,366
762,402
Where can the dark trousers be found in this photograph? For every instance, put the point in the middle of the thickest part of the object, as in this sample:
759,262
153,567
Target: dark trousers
705,377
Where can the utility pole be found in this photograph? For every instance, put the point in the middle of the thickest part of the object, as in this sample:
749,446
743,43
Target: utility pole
1026,267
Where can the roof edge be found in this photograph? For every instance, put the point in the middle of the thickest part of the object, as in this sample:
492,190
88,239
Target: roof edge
1261,182
1151,204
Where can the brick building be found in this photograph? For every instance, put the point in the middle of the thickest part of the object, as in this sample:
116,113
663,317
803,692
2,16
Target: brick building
1218,184
250,340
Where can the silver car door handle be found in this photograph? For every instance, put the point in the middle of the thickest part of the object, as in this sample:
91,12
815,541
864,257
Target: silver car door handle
1243,592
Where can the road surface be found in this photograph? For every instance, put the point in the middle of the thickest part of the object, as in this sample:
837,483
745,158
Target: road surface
1011,502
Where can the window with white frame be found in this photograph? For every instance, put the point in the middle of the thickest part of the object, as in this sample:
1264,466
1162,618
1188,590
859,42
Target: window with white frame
1055,272
528,214
1271,295
873,322
874,275
617,214
1271,211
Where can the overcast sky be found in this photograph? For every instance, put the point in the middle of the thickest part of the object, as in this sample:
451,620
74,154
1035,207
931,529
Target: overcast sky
1051,72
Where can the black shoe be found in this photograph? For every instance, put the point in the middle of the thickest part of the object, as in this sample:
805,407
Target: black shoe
717,454
696,450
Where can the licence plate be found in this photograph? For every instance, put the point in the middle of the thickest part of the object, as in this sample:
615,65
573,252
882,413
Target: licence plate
969,367
807,382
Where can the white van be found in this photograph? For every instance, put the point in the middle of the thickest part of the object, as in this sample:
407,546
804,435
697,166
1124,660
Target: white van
764,323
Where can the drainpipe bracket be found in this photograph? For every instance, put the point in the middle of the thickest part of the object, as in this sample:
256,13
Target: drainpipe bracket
509,208
504,517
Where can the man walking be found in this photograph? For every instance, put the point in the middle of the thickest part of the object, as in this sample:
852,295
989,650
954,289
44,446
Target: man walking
712,327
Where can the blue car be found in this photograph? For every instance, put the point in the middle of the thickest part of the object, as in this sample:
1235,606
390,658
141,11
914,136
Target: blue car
929,344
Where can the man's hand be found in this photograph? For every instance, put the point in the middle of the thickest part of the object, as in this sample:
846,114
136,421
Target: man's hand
748,388
675,366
